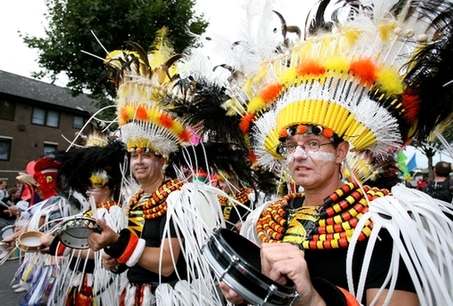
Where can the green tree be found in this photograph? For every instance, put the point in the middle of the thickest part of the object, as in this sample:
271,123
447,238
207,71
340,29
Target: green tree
115,22
429,148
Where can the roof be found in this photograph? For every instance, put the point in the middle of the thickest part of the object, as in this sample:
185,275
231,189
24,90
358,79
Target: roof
20,86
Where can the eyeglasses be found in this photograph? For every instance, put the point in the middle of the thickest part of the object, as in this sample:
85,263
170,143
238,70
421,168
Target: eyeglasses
144,152
309,146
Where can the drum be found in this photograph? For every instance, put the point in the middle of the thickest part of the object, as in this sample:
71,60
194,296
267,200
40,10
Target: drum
74,232
30,241
236,261
7,232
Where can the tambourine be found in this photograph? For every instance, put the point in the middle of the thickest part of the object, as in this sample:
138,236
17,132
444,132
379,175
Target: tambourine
4,250
7,231
30,241
236,261
74,232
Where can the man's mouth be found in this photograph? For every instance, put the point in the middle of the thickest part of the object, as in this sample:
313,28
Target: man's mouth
302,168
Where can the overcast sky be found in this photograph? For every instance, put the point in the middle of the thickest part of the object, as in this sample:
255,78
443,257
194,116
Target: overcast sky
27,16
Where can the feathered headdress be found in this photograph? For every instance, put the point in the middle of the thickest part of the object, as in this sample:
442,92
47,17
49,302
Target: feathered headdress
143,98
376,74
96,166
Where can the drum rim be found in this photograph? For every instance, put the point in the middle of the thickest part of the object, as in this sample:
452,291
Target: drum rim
264,279
25,248
62,233
226,252
246,293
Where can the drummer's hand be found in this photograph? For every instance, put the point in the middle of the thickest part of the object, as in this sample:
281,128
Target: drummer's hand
283,261
46,241
230,294
108,262
11,239
98,241
12,211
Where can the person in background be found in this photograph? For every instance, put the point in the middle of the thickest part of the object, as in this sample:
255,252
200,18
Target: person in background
441,187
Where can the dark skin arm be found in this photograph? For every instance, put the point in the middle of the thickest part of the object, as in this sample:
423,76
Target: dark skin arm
150,258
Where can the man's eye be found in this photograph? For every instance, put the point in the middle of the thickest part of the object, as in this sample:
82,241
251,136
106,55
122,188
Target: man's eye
313,143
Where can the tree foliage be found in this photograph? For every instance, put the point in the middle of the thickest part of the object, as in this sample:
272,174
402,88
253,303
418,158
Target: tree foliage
430,147
115,22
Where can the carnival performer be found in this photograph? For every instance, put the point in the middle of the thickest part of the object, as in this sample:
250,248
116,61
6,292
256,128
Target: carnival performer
98,176
368,79
35,271
168,218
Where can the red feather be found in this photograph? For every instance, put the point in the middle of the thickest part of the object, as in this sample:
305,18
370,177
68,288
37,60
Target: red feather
365,70
166,120
185,135
142,114
251,156
310,67
245,123
411,104
271,92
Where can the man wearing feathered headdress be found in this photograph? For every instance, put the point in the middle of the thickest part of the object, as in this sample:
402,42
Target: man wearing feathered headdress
162,217
368,80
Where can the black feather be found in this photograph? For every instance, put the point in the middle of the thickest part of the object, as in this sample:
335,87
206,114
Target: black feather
201,102
430,73
78,165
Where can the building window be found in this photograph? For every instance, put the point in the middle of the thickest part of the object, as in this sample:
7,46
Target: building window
47,118
50,147
8,110
53,119
38,116
5,148
78,122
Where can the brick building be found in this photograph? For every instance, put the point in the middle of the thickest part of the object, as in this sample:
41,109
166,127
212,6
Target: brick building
34,119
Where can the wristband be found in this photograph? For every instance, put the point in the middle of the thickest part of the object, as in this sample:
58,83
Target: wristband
137,253
116,249
130,247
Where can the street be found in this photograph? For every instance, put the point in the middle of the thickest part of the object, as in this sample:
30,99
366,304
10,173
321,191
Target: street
7,295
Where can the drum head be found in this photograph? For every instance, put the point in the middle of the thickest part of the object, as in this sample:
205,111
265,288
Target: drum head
7,231
30,241
4,250
75,232
237,262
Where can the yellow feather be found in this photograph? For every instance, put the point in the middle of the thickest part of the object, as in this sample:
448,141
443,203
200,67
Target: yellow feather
351,34
390,81
288,77
337,64
256,104
386,30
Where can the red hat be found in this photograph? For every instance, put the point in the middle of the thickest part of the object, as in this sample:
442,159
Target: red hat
45,173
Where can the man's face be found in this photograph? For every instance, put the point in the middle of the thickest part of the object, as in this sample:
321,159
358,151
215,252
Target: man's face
311,159
146,165
100,194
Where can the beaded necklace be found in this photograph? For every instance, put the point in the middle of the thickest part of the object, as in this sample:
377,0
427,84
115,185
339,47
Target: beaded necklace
328,226
242,196
156,205
107,204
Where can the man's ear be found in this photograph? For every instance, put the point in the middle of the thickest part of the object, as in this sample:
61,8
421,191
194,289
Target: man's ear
342,151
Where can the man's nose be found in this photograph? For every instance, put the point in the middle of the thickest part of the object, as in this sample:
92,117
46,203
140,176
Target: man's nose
139,156
300,153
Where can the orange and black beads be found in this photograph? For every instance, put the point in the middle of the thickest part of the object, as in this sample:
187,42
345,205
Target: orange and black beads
337,218
156,205
242,196
107,204
271,226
